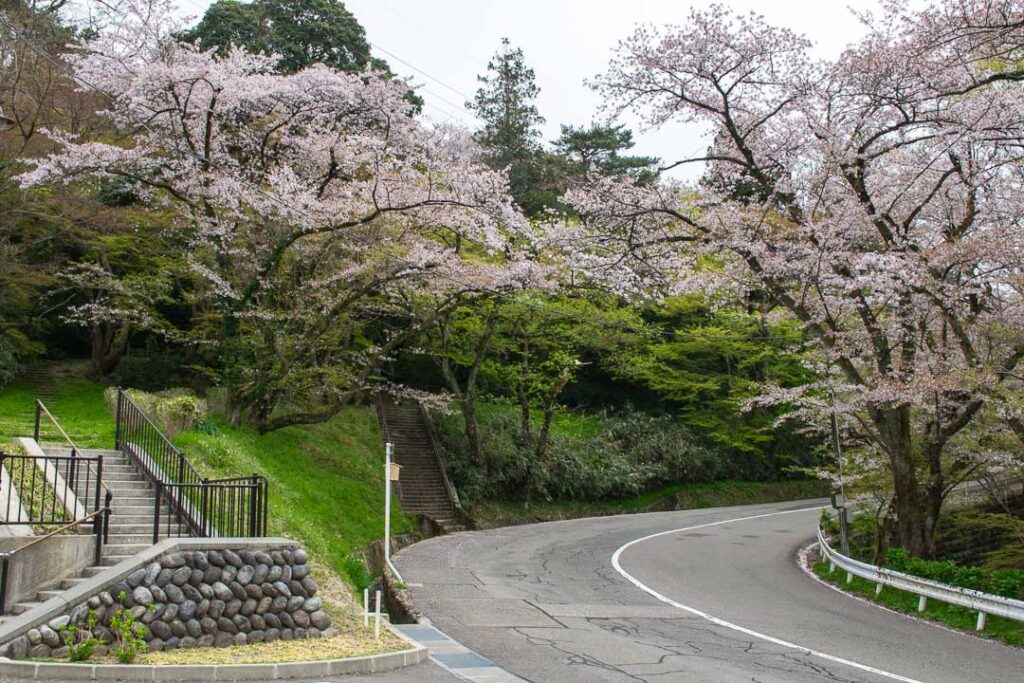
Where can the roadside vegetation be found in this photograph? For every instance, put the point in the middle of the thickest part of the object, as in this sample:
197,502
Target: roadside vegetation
996,628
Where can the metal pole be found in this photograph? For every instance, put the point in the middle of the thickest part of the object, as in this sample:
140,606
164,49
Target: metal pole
376,619
156,512
117,419
844,540
388,453
388,449
366,608
254,491
35,433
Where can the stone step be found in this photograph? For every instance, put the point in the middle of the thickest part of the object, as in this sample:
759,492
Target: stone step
22,607
43,596
71,583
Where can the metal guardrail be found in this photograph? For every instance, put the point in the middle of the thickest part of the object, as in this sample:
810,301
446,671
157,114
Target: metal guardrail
983,603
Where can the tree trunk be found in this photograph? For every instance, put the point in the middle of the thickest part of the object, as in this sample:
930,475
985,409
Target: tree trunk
915,511
109,344
472,430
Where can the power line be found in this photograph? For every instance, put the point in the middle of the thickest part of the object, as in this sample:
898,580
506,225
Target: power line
503,295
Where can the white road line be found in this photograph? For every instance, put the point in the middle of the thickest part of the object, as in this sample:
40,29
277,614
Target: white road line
616,556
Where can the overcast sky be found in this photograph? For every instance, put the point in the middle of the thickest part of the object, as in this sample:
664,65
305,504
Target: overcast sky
565,42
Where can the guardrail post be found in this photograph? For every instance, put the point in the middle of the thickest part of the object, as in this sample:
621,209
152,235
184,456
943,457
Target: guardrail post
981,621
878,588
156,512
849,577
922,603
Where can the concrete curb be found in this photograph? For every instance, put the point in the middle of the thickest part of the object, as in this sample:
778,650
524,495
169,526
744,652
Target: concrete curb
44,671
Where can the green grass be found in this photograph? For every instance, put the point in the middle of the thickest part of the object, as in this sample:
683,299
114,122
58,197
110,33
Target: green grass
675,496
997,628
78,406
325,480
564,423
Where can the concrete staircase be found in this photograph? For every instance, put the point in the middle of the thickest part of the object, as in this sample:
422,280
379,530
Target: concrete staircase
131,520
421,485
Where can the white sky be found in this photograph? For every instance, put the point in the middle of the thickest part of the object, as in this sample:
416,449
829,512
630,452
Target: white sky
564,41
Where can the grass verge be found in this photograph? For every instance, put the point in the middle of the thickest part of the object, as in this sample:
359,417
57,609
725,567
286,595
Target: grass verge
953,616
493,513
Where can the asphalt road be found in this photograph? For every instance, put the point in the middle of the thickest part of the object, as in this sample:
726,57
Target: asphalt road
722,602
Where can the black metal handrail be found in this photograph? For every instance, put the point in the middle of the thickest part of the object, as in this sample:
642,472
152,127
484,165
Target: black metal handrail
99,524
223,507
202,507
42,410
45,501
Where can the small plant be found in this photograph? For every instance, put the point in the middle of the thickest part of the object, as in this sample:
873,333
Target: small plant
129,635
80,648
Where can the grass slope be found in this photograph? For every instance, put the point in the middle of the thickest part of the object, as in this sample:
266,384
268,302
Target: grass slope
325,480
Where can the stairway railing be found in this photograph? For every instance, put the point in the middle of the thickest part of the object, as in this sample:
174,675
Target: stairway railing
203,507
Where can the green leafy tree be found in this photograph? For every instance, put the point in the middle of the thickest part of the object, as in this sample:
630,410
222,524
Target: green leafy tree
302,32
600,149
511,137
710,362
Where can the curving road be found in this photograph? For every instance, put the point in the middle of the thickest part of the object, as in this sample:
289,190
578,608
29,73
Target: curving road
716,597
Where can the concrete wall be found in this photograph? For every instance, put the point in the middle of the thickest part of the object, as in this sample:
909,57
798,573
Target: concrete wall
45,564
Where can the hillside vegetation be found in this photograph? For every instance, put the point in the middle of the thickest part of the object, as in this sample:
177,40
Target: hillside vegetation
325,479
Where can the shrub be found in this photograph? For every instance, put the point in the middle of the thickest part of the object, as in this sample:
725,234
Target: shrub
1008,583
173,411
129,635
625,455
81,645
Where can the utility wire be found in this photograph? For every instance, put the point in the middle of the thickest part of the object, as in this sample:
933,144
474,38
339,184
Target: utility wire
503,295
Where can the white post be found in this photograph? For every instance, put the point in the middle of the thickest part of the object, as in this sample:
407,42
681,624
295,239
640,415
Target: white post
376,619
366,608
388,450
922,603
981,621
849,577
878,589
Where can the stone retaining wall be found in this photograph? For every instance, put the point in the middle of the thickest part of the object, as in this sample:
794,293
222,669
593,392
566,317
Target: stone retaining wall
198,598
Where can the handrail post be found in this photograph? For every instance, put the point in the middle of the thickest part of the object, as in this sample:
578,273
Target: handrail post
156,512
106,516
35,432
117,418
4,570
253,493
99,481
266,504
204,507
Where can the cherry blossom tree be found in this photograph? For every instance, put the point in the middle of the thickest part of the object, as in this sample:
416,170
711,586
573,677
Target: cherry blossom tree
877,198
304,200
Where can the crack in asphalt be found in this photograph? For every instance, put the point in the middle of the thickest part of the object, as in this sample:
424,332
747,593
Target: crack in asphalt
524,571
